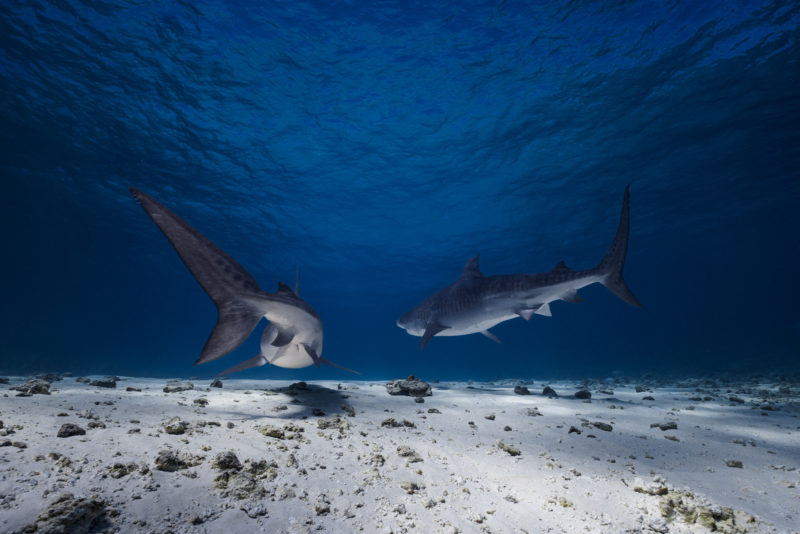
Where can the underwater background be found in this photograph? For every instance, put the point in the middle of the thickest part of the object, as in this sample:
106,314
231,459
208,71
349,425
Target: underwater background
375,147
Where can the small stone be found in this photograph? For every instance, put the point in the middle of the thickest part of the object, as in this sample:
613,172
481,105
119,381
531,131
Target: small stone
104,383
669,425
34,386
490,417
407,452
317,412
169,461
410,487
68,429
521,390
271,431
640,389
513,451
96,424
299,385
549,392
176,426
201,401
583,394
253,509
349,410
603,426
574,430
507,428
433,410
226,460
119,470
174,386
648,398
734,463
131,388
738,400
217,383
419,400
392,423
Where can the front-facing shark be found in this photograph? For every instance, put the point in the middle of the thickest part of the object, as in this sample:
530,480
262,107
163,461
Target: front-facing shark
293,338
475,303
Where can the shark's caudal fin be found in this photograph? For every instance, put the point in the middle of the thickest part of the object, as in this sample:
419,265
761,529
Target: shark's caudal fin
225,281
614,260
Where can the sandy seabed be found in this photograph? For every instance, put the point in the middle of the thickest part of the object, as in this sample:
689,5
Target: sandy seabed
695,455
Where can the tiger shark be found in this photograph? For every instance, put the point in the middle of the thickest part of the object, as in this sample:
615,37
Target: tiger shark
293,337
475,303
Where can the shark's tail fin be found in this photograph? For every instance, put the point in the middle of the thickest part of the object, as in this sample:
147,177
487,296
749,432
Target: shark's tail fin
225,281
614,260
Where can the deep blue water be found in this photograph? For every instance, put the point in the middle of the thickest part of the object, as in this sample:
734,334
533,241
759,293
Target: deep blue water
376,147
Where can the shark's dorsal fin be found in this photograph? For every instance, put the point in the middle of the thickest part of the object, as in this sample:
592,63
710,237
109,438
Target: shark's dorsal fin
430,331
471,269
283,289
561,268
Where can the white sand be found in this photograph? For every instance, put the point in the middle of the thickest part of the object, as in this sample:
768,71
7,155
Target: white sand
355,479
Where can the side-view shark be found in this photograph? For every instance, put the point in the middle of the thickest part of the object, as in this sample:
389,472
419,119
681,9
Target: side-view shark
293,338
475,303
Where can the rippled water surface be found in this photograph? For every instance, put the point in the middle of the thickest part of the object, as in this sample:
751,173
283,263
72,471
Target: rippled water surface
377,147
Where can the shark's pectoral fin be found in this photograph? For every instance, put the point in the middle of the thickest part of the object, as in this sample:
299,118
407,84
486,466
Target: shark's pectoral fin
283,338
544,309
311,352
256,361
491,336
343,368
430,331
572,297
234,324
527,313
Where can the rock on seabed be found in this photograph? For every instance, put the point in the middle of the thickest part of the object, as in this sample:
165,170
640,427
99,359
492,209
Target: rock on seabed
411,386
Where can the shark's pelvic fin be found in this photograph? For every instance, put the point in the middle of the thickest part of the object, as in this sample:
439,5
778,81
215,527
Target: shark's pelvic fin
430,331
491,336
256,361
614,261
527,313
544,309
283,338
572,297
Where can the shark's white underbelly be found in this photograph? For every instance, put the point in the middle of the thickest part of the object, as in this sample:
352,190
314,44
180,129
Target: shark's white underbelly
308,332
291,356
461,329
